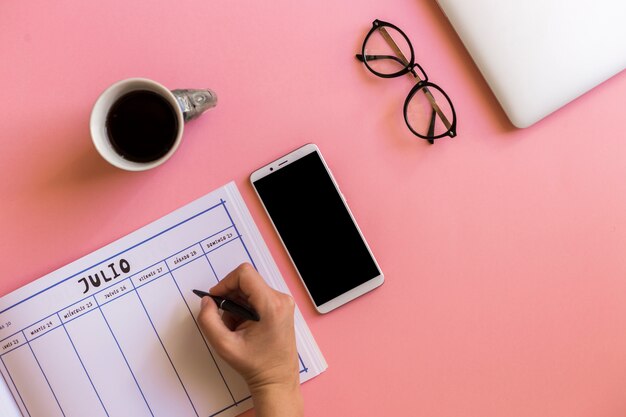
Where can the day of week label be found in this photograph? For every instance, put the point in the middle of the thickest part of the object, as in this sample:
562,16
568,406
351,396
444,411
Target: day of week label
218,240
181,258
77,309
11,343
113,292
42,327
149,274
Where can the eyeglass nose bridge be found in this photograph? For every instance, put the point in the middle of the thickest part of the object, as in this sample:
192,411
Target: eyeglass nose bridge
420,76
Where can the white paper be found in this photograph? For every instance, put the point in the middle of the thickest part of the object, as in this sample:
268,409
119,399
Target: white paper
115,333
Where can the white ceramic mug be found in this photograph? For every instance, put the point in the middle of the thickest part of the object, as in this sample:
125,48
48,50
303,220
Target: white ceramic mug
186,104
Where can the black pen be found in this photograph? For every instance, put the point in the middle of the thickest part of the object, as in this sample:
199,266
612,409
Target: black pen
230,306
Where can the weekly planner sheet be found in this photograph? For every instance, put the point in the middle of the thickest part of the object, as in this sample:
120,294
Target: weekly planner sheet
115,333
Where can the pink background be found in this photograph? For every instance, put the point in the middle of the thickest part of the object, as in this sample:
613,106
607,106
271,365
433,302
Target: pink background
503,249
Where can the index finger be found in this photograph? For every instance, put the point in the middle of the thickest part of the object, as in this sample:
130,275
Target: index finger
244,280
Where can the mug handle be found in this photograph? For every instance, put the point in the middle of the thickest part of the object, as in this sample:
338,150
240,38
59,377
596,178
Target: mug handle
194,102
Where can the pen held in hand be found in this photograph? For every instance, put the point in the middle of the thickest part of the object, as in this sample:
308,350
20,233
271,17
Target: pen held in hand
230,306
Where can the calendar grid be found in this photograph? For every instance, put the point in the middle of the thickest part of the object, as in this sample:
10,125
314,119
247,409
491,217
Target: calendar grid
156,332
115,255
83,365
126,361
73,368
198,327
169,271
48,382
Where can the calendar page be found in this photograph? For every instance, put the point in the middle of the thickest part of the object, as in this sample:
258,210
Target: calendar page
115,333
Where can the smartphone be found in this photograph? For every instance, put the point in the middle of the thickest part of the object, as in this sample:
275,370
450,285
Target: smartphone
317,228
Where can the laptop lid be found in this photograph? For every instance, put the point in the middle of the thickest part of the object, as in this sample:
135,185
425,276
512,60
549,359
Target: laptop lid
538,55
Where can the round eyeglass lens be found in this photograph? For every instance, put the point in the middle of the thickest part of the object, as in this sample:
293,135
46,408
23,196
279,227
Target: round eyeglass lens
387,51
429,112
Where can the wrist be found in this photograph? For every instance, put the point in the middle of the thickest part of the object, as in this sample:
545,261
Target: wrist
278,399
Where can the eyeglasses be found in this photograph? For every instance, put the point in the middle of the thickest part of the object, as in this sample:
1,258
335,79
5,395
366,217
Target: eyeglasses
428,111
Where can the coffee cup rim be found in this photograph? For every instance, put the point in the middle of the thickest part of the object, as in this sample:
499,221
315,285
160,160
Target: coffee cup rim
100,111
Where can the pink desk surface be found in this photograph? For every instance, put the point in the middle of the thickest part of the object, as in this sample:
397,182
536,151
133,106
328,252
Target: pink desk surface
503,249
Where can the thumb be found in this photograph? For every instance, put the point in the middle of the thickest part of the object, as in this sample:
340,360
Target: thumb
211,323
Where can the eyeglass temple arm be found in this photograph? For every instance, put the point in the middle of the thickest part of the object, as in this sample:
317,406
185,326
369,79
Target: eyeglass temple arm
405,61
376,57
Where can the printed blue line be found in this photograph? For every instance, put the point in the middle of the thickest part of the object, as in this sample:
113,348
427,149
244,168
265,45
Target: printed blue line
113,256
238,234
46,378
166,353
149,282
186,263
125,360
125,293
142,283
74,316
79,315
15,347
202,337
304,368
200,257
150,267
164,261
107,289
127,278
204,251
41,335
83,365
206,256
182,261
14,386
118,296
244,399
221,244
38,321
231,406
234,239
216,233
84,299
14,335
199,242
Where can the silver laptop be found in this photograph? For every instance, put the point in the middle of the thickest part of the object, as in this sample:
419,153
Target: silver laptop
538,55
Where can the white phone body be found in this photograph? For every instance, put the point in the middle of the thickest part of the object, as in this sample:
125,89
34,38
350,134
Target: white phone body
317,228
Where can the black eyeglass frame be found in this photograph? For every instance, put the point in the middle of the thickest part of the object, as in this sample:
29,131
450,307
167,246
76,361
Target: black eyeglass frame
409,66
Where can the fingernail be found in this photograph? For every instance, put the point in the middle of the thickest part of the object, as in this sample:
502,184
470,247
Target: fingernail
203,301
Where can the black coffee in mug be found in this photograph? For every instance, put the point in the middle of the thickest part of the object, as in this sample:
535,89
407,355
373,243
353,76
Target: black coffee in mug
142,126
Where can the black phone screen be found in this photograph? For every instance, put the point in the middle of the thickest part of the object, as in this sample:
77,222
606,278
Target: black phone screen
317,229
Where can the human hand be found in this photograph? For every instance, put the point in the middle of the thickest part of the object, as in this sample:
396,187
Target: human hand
263,352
